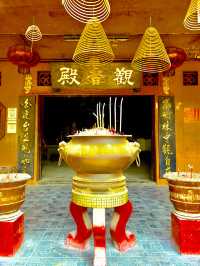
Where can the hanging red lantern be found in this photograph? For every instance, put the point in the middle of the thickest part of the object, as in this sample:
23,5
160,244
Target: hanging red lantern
23,58
177,57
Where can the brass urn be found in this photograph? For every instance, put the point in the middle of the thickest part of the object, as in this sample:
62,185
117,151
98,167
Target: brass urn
12,192
184,188
99,162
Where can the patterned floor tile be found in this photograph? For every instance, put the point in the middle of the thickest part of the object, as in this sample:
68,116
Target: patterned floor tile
47,221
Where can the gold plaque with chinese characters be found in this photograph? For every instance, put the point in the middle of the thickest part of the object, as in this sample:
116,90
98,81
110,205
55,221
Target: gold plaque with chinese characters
113,75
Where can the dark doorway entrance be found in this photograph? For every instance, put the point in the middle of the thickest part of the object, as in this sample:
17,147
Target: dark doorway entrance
65,115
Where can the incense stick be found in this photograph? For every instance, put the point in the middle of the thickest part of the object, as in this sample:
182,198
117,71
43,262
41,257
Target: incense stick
120,121
115,114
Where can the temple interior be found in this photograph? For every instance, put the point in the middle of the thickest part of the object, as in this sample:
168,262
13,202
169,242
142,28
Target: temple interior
137,123
130,75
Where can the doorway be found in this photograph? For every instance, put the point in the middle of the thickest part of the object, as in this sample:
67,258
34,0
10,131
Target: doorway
64,115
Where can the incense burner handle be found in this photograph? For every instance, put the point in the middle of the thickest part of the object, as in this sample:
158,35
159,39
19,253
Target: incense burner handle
135,150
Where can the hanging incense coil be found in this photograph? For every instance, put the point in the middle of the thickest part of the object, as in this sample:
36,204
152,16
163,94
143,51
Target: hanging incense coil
151,55
82,10
33,33
192,18
93,45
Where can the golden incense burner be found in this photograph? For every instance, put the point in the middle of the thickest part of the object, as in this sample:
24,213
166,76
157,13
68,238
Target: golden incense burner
12,192
184,190
99,161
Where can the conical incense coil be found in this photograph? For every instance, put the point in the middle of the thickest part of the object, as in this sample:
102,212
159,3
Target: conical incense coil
83,10
151,55
33,33
192,18
93,45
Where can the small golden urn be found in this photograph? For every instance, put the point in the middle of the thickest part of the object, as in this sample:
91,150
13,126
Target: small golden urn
12,192
99,162
184,188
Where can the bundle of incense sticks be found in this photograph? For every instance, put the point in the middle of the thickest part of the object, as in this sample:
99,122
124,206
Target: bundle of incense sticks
100,114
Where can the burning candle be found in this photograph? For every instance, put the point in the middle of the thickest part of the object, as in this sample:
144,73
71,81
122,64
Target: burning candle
115,114
110,118
120,121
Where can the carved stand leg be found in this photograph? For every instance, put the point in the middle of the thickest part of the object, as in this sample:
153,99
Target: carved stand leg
99,234
122,240
79,239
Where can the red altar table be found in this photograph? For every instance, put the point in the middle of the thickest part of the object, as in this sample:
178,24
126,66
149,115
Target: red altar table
186,234
11,233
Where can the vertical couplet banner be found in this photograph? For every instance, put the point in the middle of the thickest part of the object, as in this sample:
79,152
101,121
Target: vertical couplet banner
167,136
26,134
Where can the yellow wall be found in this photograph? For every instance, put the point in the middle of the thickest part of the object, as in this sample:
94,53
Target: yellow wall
187,134
10,90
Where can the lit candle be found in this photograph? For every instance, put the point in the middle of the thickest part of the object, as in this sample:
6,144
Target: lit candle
120,121
103,114
115,114
110,118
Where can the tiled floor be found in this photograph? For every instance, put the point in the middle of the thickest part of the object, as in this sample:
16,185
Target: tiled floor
48,221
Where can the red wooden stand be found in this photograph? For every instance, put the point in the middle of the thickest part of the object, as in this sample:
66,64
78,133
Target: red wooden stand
11,234
186,234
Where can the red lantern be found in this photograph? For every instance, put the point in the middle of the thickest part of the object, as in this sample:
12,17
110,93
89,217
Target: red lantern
25,59
177,57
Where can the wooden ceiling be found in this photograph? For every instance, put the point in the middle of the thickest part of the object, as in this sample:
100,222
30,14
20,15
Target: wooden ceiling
124,27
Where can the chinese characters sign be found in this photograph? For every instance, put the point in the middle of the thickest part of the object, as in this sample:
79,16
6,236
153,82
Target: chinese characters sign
68,76
113,75
26,134
11,120
28,83
167,134
123,76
